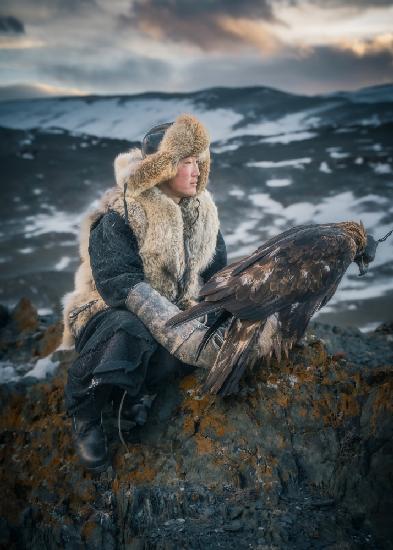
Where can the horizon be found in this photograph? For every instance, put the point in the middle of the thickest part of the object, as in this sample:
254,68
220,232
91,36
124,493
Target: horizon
179,93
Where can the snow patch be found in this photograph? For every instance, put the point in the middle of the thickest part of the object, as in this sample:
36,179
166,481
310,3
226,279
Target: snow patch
324,167
7,372
223,147
370,327
236,193
63,263
279,182
335,153
381,168
289,137
43,368
27,156
52,222
296,163
26,250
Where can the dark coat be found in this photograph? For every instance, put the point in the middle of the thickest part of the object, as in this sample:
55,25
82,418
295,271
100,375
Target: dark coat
115,349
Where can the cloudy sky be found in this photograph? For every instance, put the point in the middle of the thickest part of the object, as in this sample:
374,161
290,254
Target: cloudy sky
132,46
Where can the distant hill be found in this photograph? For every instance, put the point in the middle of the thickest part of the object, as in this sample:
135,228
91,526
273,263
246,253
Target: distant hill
27,91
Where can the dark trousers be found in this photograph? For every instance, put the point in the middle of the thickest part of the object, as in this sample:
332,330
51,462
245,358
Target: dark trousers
116,351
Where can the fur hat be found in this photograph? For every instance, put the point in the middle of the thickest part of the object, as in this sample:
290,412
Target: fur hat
162,149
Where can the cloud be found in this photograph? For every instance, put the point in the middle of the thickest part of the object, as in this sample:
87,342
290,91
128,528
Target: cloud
217,25
375,45
358,5
45,10
318,70
251,32
129,75
11,25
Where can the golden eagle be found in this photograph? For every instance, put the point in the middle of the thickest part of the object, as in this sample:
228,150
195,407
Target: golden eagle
271,295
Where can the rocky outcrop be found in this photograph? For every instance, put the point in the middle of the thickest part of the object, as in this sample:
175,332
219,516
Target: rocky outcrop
301,458
24,335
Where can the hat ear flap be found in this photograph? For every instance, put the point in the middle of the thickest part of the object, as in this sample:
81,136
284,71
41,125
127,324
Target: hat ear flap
154,169
204,170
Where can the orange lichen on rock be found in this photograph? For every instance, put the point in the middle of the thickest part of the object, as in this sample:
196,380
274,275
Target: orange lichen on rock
142,474
51,339
217,422
88,529
382,402
204,444
348,405
25,316
11,416
282,399
189,382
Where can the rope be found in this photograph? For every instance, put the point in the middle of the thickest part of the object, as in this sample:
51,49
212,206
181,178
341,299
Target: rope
125,204
119,421
385,237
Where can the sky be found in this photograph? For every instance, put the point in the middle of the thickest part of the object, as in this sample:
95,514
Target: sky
75,47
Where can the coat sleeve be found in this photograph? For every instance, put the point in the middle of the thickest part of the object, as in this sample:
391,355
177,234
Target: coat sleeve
219,261
115,262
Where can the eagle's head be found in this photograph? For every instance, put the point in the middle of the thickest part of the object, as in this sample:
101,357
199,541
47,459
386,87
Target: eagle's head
367,255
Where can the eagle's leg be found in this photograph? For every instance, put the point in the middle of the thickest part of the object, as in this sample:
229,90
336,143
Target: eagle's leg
224,316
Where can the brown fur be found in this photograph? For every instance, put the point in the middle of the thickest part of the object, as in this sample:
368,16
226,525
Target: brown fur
152,215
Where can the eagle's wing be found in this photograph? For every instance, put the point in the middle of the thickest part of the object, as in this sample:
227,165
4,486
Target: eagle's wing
217,287
283,291
301,263
306,264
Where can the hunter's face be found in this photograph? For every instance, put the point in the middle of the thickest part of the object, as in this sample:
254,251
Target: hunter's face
184,184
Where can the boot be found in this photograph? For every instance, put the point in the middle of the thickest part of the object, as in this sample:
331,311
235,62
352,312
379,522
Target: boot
90,442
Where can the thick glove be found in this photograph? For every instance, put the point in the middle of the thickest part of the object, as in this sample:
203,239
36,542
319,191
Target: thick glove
154,310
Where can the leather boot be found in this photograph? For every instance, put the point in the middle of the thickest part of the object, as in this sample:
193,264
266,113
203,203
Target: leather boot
90,443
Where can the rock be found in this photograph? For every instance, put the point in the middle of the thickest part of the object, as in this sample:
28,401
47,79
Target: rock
235,525
24,336
50,339
5,316
385,328
25,316
302,461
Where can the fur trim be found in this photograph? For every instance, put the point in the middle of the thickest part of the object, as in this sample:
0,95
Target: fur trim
125,164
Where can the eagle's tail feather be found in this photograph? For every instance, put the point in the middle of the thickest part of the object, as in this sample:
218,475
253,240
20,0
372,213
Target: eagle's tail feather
246,342
232,359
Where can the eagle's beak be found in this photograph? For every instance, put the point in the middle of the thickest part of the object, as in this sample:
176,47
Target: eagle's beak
363,266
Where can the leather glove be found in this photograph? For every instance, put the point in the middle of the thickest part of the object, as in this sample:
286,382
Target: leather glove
182,341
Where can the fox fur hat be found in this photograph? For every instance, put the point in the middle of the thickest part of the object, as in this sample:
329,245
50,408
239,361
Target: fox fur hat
141,169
